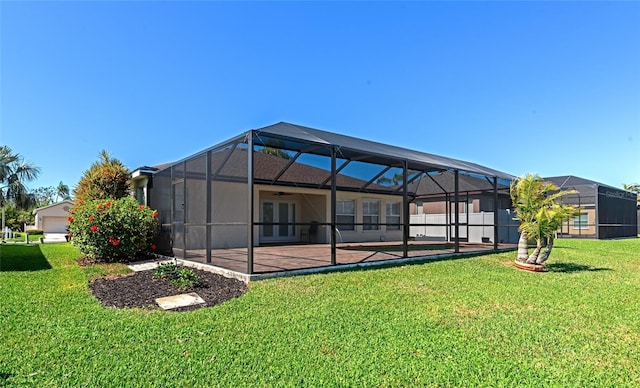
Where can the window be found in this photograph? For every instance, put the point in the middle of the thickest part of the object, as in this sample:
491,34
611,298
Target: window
581,221
370,214
346,214
393,215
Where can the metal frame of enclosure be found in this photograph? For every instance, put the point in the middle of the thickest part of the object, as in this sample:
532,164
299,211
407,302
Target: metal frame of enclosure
288,197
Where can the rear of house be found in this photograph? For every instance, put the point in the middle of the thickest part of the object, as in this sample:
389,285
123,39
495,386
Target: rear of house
288,197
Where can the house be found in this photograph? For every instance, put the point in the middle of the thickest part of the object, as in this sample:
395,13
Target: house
605,211
289,197
53,218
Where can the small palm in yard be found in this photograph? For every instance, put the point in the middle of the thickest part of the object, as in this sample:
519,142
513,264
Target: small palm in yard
540,213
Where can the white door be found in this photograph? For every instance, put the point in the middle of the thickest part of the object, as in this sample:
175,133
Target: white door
278,217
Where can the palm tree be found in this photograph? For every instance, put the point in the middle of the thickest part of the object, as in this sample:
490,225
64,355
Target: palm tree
62,192
14,171
635,187
540,215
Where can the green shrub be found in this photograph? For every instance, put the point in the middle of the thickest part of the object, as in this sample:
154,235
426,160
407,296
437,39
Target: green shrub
112,230
181,278
34,231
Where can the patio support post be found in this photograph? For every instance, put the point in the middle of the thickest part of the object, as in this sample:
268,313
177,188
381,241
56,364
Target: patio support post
172,211
333,206
405,211
495,213
596,222
250,202
207,228
456,214
447,216
466,213
185,206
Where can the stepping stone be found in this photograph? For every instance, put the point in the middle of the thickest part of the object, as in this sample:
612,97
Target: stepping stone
182,300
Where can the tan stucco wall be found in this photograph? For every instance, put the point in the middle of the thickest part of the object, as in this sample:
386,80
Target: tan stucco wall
359,235
591,230
229,220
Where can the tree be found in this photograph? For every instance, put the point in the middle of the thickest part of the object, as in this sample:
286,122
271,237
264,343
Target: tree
635,187
275,152
62,192
14,172
44,196
107,178
540,215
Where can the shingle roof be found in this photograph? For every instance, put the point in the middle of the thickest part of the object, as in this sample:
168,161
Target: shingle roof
567,181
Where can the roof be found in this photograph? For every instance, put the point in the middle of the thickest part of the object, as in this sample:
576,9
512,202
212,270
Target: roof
567,181
378,152
52,205
570,181
229,162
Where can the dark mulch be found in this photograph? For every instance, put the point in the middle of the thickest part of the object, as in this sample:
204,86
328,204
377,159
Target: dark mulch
140,289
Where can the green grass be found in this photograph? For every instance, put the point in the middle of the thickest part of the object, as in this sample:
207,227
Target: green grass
465,322
19,237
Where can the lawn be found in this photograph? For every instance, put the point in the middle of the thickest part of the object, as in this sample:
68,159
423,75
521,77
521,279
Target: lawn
20,237
460,322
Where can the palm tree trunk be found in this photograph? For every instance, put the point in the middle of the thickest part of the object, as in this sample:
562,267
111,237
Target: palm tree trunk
523,251
534,255
547,251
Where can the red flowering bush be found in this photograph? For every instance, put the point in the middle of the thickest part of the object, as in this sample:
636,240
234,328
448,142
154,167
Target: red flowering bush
112,230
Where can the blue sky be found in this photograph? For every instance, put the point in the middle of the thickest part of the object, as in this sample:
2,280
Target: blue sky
546,87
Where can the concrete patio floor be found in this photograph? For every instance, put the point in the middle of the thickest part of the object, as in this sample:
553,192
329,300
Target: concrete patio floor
275,259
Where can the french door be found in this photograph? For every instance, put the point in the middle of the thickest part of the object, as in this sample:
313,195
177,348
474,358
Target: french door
278,218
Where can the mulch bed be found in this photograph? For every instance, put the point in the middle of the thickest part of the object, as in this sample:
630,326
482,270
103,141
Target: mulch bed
140,289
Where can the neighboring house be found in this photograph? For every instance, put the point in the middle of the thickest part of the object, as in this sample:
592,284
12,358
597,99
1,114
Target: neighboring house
605,211
53,218
300,185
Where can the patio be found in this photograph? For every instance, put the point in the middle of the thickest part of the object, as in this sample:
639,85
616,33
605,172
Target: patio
278,258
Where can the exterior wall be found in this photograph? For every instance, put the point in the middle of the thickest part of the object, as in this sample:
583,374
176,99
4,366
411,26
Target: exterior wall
229,215
360,235
139,187
313,205
568,228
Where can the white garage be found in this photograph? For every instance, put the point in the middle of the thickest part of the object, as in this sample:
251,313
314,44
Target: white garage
53,218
